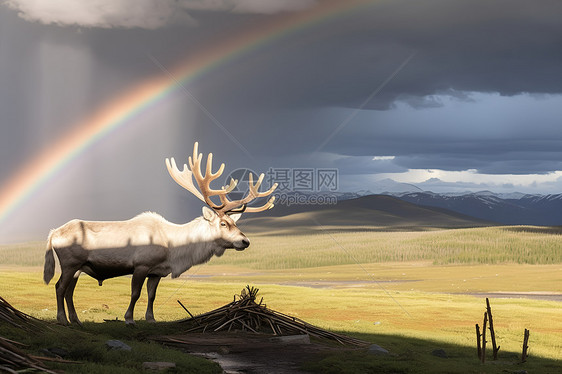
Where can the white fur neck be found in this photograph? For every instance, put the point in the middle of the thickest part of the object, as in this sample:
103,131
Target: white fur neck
191,244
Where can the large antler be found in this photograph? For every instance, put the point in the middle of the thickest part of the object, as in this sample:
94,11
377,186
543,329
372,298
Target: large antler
239,206
185,179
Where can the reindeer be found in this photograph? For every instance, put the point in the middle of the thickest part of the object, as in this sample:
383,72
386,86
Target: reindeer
148,246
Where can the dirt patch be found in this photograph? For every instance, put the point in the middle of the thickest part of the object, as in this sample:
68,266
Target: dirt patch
519,295
243,352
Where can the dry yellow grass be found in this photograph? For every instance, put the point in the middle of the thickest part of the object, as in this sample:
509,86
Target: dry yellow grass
441,317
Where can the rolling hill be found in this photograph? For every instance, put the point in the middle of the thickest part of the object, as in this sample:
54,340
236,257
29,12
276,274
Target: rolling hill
372,212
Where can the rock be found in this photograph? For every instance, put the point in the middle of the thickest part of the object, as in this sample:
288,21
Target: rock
291,339
439,353
377,350
158,365
117,344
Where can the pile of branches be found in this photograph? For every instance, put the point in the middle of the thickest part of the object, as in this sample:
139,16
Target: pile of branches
245,314
12,358
18,319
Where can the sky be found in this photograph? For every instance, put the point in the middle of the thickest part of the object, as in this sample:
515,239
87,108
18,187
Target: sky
447,95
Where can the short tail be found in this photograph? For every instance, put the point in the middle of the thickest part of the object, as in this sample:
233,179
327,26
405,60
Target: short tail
49,268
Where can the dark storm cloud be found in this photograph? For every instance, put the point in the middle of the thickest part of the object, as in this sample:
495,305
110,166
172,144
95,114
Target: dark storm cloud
491,134
486,46
500,46
459,47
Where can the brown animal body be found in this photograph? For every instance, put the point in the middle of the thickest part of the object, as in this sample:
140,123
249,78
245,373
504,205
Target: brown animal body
148,246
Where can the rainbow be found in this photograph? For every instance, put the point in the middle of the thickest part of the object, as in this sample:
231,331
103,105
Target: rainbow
42,167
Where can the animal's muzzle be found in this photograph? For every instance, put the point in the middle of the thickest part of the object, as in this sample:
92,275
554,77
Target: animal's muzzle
244,243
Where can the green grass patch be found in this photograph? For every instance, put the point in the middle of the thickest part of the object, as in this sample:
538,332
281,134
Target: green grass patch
87,346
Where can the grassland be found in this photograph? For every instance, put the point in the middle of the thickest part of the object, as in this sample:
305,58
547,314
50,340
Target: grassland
484,245
407,291
490,245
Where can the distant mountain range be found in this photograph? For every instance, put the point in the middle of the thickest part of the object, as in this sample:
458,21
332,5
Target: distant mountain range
510,209
407,209
503,208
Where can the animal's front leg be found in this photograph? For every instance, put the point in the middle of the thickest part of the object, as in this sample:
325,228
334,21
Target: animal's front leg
139,276
151,285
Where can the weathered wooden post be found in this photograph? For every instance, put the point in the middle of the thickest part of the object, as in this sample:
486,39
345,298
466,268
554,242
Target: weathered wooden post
483,358
525,346
478,347
495,348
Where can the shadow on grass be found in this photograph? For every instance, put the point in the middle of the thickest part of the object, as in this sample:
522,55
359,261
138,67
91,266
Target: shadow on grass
84,349
411,355
407,355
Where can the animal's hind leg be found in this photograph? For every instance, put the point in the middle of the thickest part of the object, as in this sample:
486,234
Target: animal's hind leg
139,276
68,296
151,285
61,287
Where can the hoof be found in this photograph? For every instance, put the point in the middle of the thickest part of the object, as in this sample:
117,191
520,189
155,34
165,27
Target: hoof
76,322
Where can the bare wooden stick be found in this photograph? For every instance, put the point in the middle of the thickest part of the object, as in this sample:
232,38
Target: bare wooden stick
272,327
525,346
188,312
227,322
478,346
483,358
495,348
248,327
55,359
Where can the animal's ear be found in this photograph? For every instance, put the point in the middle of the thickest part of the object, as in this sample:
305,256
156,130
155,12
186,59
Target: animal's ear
209,214
235,217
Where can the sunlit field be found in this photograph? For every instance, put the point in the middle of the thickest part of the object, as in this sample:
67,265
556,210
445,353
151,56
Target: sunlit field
490,245
427,285
487,245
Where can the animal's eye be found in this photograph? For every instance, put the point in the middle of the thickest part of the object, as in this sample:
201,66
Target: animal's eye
223,224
